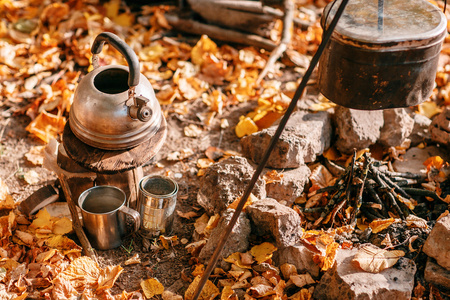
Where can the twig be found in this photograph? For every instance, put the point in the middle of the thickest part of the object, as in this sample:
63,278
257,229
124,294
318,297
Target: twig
4,128
285,39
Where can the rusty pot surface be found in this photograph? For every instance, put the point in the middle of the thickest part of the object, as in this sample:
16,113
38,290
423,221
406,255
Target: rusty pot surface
114,107
382,56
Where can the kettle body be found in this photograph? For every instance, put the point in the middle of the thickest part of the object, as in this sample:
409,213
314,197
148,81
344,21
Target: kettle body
114,107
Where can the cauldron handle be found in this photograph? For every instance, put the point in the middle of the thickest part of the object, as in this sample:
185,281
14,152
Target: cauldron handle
123,48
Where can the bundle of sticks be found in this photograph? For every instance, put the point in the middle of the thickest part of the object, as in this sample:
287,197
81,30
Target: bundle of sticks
368,188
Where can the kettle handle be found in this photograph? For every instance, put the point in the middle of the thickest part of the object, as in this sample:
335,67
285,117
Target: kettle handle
124,49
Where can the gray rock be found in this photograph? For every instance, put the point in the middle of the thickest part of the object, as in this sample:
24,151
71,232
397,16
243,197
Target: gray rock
357,128
414,157
398,125
237,241
440,128
421,131
299,256
437,244
346,281
224,182
281,222
290,186
436,274
305,136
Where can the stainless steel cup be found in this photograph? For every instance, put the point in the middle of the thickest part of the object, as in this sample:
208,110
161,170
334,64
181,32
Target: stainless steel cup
103,210
157,201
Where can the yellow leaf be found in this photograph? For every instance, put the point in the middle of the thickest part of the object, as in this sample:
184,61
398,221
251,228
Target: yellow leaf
228,294
152,287
251,199
246,126
45,256
61,242
204,46
273,176
43,220
444,214
330,256
199,270
428,109
287,270
434,161
201,223
209,291
359,153
6,201
166,241
263,252
62,226
380,225
235,258
46,126
303,294
204,163
374,260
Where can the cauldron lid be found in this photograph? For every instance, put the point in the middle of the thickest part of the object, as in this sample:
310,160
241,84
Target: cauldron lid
402,20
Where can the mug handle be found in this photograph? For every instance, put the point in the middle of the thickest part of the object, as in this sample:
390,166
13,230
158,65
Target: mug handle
134,214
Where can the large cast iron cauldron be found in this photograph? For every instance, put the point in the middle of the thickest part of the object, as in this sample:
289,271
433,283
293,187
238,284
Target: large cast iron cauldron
114,107
382,54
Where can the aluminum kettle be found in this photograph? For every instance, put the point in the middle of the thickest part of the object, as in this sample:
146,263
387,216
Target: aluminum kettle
114,107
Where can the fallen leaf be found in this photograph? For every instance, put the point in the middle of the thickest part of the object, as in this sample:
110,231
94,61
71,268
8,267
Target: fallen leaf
152,287
287,270
251,199
235,258
135,259
300,280
380,225
303,294
192,130
429,109
273,176
62,226
6,200
444,214
201,223
203,47
25,237
416,222
187,215
228,294
209,291
246,126
31,177
204,163
330,256
167,241
374,260
199,270
46,126
35,155
168,295
263,252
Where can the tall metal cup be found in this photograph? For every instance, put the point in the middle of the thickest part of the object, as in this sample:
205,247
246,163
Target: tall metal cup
156,203
103,210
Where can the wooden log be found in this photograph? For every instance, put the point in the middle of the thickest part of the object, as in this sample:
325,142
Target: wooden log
214,32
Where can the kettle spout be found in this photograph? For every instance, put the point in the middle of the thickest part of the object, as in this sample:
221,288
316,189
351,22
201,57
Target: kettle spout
140,110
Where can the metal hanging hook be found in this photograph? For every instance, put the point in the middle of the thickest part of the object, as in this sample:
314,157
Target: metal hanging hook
298,93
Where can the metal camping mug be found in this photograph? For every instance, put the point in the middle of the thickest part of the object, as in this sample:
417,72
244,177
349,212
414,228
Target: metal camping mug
157,201
103,209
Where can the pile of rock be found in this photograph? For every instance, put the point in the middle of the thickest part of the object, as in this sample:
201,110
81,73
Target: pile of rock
308,135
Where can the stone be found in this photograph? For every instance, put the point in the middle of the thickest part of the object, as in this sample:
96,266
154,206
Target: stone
237,241
436,274
414,158
437,244
346,281
398,125
225,181
305,136
440,128
281,222
421,130
357,128
290,186
299,256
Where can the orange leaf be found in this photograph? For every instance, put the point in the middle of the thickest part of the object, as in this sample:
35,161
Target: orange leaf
46,126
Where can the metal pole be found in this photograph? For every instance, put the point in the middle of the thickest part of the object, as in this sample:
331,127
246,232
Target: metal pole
298,93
